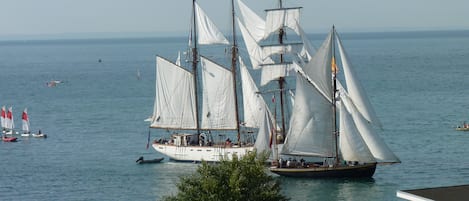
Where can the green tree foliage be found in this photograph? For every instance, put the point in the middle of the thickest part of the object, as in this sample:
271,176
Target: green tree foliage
238,179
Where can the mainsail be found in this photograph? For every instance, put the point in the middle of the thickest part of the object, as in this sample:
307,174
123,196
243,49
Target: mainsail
175,98
218,110
310,131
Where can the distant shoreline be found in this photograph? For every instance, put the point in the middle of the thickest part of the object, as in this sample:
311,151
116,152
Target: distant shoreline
142,36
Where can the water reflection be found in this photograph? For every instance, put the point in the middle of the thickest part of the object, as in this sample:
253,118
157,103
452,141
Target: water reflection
332,189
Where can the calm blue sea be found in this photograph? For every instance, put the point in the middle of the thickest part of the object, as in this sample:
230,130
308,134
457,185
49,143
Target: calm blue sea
418,83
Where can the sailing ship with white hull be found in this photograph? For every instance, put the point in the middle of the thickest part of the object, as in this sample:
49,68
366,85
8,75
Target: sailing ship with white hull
334,127
180,94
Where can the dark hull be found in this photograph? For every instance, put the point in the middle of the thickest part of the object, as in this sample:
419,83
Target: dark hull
157,160
357,171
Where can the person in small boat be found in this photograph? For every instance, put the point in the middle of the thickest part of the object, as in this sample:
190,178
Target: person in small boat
39,132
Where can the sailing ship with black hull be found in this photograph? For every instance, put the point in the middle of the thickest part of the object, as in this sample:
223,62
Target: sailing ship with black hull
333,129
200,112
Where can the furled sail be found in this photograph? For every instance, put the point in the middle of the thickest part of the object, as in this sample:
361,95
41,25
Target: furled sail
253,102
310,132
281,17
207,32
355,89
255,25
175,97
218,108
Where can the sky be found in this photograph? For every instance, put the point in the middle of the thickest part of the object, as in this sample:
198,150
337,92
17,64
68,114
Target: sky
23,18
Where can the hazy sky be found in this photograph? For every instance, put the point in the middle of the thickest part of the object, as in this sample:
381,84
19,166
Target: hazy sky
33,17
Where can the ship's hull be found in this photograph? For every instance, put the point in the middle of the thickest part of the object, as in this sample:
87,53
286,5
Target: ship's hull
199,153
462,129
356,171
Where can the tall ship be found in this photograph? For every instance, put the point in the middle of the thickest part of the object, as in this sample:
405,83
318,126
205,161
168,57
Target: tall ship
198,107
333,129
273,45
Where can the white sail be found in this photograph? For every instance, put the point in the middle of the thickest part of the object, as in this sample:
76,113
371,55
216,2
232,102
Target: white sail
310,132
282,17
308,48
274,71
25,121
376,145
218,108
175,97
355,89
253,102
255,25
10,121
207,32
318,69
265,135
3,117
352,146
256,53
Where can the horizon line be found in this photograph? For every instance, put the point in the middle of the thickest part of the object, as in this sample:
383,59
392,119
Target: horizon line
176,34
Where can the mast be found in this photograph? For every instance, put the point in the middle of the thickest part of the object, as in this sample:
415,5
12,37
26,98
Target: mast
194,66
234,54
281,80
334,100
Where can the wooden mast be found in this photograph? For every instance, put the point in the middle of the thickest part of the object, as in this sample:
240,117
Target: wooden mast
281,81
334,100
194,67
234,55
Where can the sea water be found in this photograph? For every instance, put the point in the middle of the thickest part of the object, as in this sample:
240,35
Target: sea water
417,82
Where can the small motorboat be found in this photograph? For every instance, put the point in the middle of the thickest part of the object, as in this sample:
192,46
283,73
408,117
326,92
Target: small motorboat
39,134
42,135
463,127
142,161
9,139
